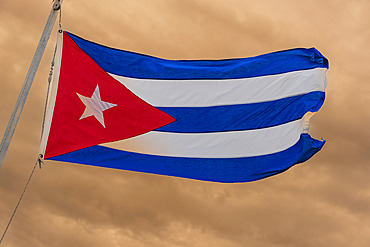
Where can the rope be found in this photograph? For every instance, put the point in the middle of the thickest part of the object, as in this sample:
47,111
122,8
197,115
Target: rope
20,199
40,158
60,18
47,93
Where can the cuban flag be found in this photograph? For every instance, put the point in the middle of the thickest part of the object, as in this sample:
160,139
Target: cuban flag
230,120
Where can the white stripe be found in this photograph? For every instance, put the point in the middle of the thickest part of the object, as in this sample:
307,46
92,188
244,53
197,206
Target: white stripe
199,93
52,94
214,145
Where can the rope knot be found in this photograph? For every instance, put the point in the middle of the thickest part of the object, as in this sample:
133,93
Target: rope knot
40,160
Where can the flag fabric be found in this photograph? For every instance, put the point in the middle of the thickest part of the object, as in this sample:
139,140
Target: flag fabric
229,120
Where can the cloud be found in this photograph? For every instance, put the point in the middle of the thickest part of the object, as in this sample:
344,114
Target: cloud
322,202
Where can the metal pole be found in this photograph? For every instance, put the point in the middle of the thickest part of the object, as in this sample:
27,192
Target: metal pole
29,79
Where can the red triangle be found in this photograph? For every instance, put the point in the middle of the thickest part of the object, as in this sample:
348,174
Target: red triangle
80,74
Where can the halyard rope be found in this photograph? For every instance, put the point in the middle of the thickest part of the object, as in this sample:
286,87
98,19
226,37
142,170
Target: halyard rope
20,199
40,158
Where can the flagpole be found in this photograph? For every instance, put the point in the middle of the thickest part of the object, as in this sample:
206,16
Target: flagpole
28,80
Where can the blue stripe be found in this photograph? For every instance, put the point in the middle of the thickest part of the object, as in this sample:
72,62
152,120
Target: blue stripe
130,64
241,117
216,170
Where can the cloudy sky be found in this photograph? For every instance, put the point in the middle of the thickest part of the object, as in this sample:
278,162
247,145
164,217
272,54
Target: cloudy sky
323,202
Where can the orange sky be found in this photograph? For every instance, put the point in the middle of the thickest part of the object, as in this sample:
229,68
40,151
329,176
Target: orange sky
323,202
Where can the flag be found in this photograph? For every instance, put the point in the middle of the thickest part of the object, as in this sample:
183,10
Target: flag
229,120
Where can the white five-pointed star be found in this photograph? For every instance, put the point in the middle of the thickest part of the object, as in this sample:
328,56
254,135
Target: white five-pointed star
95,106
